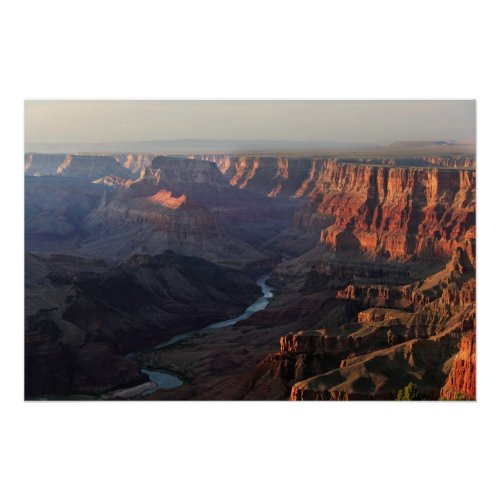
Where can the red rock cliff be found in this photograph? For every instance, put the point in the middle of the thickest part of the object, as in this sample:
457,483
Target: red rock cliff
391,212
380,208
461,382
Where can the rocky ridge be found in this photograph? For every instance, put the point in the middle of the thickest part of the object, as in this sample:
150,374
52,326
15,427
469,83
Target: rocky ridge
88,166
91,167
80,323
55,211
186,206
42,164
461,381
400,334
387,210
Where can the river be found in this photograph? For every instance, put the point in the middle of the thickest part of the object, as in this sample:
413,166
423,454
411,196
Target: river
165,380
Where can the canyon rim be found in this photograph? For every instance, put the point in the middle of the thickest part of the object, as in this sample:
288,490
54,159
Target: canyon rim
250,250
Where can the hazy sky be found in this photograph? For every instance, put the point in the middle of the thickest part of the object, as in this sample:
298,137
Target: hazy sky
379,122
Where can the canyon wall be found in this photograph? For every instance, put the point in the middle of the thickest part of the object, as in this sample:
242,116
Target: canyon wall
90,166
396,209
399,334
80,323
135,163
392,211
289,176
185,205
55,211
42,164
272,176
461,382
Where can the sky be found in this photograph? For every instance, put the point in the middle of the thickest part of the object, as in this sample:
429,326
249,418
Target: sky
374,122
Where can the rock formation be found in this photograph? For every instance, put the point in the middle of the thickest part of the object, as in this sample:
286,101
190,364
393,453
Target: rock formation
399,334
186,206
91,167
461,382
86,166
82,316
394,213
399,209
281,176
55,211
135,163
42,164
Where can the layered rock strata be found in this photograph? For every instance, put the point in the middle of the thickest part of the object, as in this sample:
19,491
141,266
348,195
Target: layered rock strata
135,163
401,334
393,213
373,210
86,166
186,206
461,382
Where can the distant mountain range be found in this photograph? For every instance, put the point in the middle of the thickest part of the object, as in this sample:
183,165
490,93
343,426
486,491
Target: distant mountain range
256,147
183,146
423,144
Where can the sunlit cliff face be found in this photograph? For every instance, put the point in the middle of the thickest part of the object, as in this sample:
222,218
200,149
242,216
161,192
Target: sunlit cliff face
167,200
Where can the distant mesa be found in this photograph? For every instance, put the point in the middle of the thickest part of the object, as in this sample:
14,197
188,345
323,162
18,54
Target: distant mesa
424,144
89,166
186,146
92,167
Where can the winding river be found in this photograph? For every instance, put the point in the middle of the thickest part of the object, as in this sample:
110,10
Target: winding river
165,380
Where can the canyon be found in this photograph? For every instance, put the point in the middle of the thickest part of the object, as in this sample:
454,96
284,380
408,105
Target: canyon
371,259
